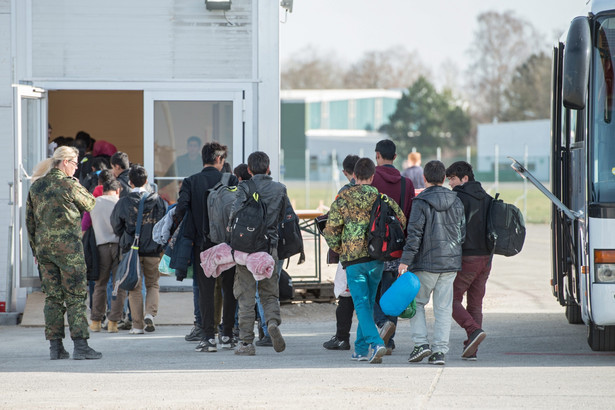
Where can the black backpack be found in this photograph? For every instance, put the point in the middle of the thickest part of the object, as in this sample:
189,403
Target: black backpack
385,235
290,241
249,225
505,228
219,203
286,290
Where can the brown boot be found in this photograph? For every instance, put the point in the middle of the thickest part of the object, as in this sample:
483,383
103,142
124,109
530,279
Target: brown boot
95,326
112,327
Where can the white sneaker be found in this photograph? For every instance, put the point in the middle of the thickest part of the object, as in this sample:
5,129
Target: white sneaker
149,323
135,331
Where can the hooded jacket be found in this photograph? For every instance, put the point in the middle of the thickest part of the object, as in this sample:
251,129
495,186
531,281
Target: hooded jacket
436,231
476,203
124,221
387,180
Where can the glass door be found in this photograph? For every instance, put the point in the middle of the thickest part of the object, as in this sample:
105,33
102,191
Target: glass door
177,124
30,137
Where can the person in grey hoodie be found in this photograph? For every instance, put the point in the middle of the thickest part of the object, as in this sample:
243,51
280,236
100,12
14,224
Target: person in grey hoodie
436,231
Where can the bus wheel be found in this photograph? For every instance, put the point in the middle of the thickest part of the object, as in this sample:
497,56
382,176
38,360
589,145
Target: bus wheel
573,311
601,340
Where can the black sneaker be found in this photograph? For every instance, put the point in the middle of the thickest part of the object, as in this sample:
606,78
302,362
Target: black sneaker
265,341
195,335
474,340
227,342
437,358
336,344
419,353
207,345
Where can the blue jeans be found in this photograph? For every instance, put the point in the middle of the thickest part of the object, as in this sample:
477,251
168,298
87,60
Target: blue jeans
388,278
363,280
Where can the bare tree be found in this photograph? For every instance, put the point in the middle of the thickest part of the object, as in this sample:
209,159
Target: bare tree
311,69
392,68
501,43
529,94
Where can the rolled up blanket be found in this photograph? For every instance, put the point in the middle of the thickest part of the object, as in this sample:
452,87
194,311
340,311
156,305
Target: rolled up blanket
216,260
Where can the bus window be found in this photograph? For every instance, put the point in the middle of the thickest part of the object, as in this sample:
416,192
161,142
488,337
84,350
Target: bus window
602,164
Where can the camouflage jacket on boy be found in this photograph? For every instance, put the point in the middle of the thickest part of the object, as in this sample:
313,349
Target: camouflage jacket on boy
346,230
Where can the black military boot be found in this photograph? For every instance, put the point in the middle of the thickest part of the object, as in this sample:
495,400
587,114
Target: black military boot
57,351
83,351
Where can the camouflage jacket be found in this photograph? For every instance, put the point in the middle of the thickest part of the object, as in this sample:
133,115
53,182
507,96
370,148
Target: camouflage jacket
53,213
346,230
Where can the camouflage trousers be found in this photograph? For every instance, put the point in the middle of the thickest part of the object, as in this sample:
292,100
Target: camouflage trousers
63,280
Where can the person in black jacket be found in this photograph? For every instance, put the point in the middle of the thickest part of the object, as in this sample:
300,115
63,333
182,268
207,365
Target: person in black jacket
120,165
123,221
436,231
476,261
193,196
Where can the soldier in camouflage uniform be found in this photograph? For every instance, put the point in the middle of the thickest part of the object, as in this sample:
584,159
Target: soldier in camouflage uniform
54,207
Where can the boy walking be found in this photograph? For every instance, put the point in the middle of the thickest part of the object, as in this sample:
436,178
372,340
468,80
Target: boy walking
471,280
346,234
436,231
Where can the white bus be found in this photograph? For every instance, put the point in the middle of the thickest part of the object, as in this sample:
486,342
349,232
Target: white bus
583,173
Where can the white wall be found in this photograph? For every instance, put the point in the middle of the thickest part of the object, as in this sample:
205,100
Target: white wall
512,137
6,137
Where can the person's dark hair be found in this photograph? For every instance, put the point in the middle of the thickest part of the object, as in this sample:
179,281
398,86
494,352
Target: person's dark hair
120,158
137,175
241,171
387,149
85,137
364,169
460,169
349,162
81,145
63,141
434,172
194,138
111,185
226,167
211,151
104,176
99,163
258,162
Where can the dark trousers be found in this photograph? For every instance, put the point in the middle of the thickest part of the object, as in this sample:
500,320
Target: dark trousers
206,299
388,278
471,279
343,315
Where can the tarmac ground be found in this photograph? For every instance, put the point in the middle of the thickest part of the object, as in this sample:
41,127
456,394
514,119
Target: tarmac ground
531,358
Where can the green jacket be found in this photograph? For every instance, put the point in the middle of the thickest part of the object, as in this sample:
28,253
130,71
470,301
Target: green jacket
53,213
348,222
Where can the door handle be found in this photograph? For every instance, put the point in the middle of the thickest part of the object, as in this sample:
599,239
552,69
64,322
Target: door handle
11,194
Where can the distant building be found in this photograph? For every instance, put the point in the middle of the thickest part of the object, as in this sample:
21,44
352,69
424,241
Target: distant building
331,121
511,139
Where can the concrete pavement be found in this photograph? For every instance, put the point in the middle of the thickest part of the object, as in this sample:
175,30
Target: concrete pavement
532,358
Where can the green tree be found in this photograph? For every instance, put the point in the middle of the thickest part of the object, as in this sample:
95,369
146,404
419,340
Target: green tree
529,94
427,119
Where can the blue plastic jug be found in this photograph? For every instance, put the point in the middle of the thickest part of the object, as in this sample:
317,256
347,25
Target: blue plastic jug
397,298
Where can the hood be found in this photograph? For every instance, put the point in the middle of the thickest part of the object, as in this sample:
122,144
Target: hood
438,197
388,174
473,189
103,148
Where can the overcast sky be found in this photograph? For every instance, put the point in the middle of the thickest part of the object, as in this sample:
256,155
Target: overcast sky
436,29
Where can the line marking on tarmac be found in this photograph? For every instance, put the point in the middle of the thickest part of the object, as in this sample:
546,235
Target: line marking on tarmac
557,354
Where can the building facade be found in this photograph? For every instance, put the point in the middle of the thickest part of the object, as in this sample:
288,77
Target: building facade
144,75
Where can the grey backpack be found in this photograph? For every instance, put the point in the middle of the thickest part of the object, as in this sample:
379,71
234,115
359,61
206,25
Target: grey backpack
219,203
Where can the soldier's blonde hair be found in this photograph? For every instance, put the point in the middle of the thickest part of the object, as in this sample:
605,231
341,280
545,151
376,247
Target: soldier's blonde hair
60,154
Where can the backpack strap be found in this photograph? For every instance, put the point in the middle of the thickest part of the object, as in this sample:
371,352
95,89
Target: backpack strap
140,216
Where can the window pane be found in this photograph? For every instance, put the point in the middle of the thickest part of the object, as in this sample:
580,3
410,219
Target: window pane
180,130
